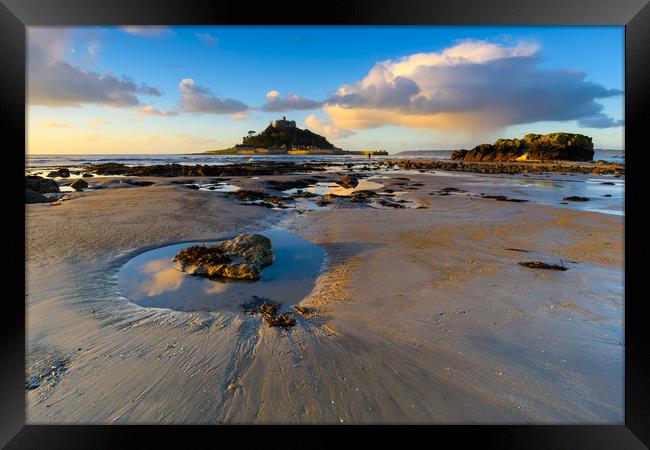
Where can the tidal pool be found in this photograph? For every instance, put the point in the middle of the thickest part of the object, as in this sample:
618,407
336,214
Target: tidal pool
151,280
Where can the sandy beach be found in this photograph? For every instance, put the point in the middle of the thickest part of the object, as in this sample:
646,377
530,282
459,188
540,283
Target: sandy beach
419,315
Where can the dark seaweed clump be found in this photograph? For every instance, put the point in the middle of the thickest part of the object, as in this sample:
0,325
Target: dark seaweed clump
542,265
268,310
203,255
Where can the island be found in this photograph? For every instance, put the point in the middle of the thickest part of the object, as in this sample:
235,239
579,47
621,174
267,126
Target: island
283,137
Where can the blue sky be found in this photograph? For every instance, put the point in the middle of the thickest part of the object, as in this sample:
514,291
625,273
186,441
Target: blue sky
396,88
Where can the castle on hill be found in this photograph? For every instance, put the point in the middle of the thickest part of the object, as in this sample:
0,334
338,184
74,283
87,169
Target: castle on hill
283,123
282,136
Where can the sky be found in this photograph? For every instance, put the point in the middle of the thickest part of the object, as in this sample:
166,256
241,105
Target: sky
187,89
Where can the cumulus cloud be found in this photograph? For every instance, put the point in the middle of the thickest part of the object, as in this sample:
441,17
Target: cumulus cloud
55,82
148,110
288,102
326,128
199,99
600,121
207,39
147,31
475,85
55,124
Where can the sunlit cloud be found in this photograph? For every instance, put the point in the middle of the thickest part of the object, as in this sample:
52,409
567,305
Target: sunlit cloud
288,102
54,124
151,111
200,100
240,116
147,31
326,128
474,85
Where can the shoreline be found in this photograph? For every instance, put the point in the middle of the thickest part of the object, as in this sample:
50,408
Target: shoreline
442,343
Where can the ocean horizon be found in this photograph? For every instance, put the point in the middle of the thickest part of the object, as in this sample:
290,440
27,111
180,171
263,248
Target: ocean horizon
33,161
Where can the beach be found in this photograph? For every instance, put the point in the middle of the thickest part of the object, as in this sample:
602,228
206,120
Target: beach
420,313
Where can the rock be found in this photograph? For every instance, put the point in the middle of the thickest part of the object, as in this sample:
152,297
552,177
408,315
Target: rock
348,182
32,383
269,309
285,185
190,186
304,311
35,197
503,198
87,175
241,258
40,184
248,196
363,196
553,146
79,184
560,146
575,198
141,183
61,173
198,170
542,265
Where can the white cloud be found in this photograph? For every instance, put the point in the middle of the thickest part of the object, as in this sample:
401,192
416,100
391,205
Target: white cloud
474,85
207,39
55,82
326,128
199,99
148,110
55,124
289,102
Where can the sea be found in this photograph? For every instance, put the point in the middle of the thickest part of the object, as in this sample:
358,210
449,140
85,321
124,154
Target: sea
35,161
606,192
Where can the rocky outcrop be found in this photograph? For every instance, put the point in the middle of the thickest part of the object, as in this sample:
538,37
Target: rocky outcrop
78,185
40,184
62,173
35,197
560,146
548,147
348,182
198,170
241,258
245,195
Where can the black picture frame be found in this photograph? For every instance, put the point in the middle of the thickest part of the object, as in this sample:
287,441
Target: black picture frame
15,15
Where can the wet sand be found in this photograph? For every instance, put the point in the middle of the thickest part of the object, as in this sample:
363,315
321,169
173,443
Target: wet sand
422,315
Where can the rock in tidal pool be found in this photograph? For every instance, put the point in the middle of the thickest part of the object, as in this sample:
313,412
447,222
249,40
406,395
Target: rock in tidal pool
348,182
241,258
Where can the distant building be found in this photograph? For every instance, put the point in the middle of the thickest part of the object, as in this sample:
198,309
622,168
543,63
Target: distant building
284,123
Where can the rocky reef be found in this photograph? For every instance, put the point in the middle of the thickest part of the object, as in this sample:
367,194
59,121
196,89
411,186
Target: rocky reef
547,147
198,170
241,258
